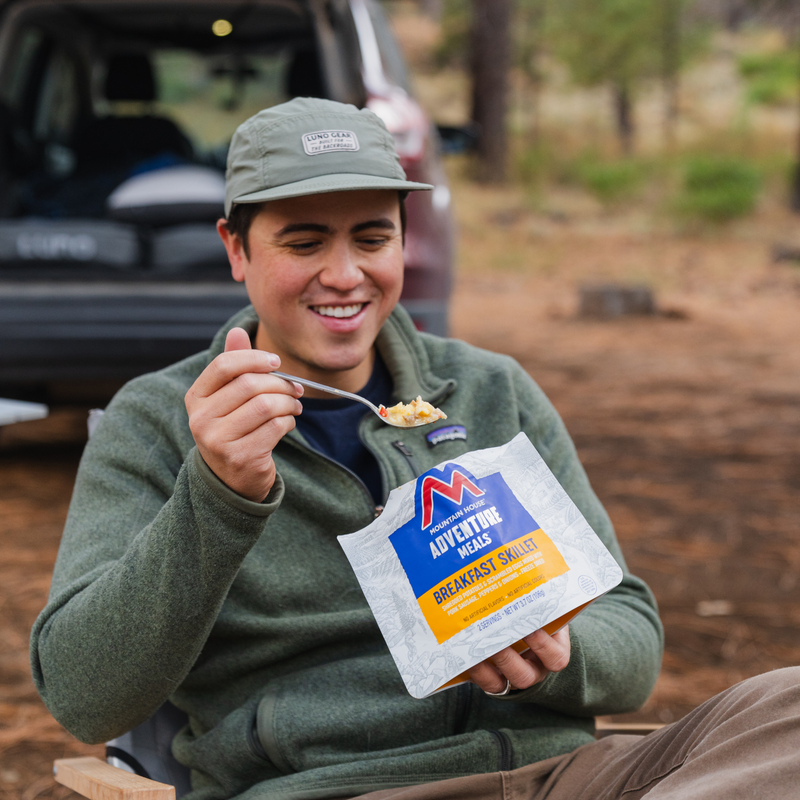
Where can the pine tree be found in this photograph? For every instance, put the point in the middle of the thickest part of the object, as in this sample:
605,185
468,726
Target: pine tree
489,61
613,43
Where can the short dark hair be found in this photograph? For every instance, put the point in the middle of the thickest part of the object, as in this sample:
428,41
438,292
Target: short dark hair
242,215
239,221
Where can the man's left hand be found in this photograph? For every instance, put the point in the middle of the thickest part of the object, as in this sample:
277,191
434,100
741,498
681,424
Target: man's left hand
547,654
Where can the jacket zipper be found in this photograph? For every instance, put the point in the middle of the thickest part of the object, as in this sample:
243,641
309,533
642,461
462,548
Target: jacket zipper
409,456
350,472
504,745
381,467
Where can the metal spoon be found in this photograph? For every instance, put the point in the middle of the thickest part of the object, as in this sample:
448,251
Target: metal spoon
349,396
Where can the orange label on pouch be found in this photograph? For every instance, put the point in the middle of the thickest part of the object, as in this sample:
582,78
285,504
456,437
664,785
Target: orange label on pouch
478,592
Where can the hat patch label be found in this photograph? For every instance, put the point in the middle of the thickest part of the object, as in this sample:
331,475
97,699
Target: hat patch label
329,141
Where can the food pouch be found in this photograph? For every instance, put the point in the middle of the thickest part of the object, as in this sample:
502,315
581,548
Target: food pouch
473,555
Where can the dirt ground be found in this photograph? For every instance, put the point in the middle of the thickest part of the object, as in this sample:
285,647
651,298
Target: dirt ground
687,422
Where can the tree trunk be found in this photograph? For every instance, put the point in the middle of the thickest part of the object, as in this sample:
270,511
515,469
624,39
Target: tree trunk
624,115
490,60
736,14
531,22
794,198
671,69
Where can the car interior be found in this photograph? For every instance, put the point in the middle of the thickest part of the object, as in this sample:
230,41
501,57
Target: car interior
97,94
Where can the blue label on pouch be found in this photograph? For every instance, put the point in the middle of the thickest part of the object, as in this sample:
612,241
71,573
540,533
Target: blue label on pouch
459,520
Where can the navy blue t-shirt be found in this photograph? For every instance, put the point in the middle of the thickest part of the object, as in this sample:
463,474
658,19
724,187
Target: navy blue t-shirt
331,428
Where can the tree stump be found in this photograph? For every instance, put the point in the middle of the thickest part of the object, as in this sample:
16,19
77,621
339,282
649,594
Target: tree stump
607,301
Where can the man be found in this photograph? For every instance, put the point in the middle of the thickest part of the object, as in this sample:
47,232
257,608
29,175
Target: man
200,563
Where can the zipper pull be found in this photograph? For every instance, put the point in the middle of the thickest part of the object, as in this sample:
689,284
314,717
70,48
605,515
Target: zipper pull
398,445
403,449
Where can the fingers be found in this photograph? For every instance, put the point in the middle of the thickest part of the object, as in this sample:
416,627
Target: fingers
246,465
547,654
234,377
552,652
245,389
238,359
234,416
487,677
238,447
237,339
230,365
238,412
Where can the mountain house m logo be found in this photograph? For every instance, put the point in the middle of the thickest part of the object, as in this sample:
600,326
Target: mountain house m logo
452,490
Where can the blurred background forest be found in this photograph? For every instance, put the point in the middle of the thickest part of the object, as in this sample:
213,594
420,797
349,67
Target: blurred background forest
631,144
686,109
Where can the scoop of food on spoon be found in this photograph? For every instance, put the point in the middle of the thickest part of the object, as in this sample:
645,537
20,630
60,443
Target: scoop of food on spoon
403,415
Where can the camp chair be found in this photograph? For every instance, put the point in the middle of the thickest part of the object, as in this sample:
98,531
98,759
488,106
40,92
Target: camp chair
139,764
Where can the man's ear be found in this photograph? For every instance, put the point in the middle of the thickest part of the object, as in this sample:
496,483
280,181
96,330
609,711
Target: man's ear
235,249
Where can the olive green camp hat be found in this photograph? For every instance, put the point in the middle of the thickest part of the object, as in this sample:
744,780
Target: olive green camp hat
311,146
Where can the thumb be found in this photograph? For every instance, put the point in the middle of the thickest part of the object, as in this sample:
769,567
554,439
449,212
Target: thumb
237,339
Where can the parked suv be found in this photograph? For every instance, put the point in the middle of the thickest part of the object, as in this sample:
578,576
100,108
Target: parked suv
115,119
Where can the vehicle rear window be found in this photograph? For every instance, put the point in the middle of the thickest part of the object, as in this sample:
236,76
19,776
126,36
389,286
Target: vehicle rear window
96,92
209,96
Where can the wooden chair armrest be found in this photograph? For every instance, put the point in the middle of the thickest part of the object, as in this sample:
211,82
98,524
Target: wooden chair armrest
97,780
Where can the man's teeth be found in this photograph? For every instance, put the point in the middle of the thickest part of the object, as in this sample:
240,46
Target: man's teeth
339,312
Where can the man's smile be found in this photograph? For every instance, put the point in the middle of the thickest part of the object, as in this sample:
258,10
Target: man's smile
340,312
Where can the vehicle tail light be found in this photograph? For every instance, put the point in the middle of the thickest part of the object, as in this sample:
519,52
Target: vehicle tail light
406,121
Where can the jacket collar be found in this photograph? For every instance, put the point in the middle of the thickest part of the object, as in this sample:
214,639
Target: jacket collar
399,344
406,358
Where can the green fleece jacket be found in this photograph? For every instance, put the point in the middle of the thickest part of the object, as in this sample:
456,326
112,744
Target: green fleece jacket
248,616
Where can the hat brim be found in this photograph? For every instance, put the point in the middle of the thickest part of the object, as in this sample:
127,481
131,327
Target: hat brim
324,184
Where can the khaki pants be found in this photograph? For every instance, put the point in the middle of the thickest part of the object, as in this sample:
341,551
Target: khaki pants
743,743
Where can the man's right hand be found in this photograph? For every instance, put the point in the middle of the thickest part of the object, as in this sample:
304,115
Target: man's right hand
238,412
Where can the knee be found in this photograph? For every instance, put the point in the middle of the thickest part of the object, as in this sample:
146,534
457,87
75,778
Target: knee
779,685
775,680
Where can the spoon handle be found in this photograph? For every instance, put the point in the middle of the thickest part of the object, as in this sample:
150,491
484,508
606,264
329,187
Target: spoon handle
329,389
